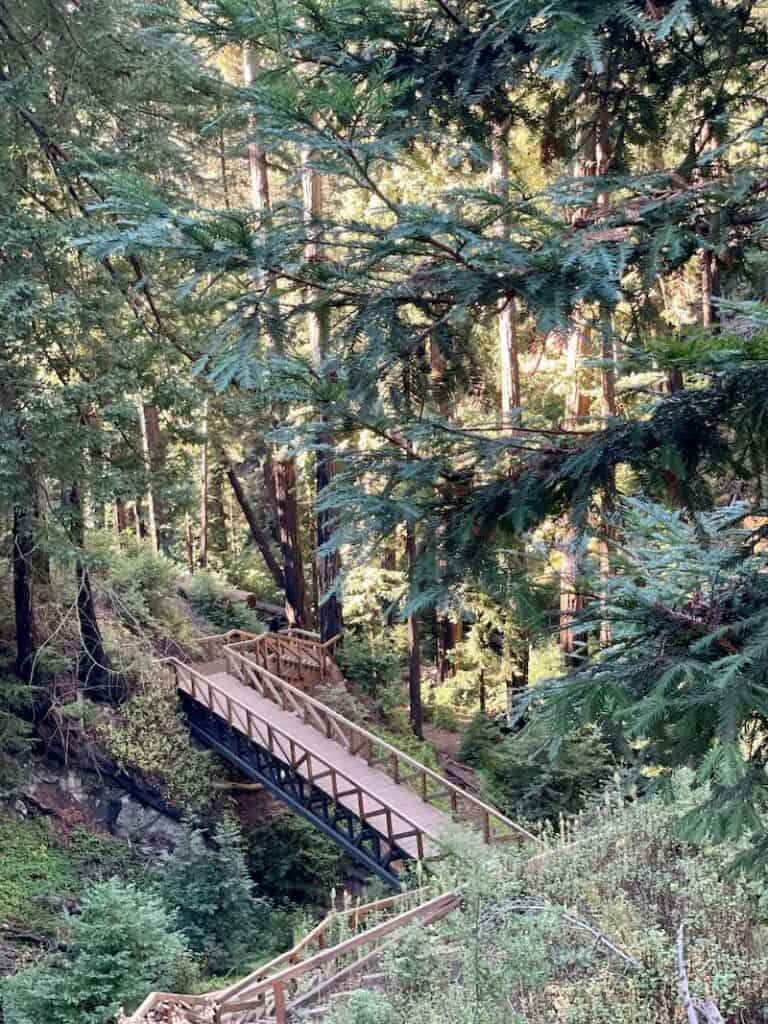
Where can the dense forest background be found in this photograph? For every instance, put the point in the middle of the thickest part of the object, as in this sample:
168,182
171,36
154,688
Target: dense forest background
440,327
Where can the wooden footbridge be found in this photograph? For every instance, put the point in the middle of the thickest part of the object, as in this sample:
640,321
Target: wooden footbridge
250,700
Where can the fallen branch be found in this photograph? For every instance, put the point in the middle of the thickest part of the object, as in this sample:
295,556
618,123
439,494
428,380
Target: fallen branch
697,1011
600,939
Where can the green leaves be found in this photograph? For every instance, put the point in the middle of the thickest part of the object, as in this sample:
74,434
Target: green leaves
685,676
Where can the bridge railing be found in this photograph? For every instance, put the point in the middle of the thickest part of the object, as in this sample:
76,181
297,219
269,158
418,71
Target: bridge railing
284,974
299,756
432,787
214,646
293,654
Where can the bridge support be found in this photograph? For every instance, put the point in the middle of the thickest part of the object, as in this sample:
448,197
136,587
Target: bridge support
356,838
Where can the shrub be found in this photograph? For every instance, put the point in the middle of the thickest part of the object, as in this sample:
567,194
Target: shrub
481,735
150,736
375,665
122,945
364,1007
292,861
15,731
528,779
208,886
213,599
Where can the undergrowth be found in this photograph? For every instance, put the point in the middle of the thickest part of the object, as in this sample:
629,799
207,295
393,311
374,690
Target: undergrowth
152,737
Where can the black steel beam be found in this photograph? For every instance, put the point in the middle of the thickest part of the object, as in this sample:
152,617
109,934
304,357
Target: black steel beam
358,839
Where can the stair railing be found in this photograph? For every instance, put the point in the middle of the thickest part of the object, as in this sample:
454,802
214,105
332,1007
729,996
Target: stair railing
302,955
272,996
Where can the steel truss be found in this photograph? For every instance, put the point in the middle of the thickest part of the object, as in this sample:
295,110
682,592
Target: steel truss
357,838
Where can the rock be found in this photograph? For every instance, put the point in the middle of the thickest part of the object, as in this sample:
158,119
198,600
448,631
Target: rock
76,797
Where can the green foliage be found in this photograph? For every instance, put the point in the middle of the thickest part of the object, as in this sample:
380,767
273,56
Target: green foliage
206,883
376,665
364,1007
213,599
684,677
292,862
16,699
122,945
479,737
152,737
33,867
528,777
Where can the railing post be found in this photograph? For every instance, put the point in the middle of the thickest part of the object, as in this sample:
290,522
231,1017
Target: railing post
279,994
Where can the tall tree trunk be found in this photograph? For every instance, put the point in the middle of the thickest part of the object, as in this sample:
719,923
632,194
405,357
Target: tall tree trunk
289,531
121,516
189,538
328,563
571,601
511,400
26,630
259,536
218,530
151,443
95,667
140,522
414,651
203,550
284,488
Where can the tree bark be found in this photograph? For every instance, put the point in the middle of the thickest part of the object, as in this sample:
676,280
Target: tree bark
259,536
511,400
288,526
284,486
121,516
203,550
414,652
95,668
328,563
26,630
151,442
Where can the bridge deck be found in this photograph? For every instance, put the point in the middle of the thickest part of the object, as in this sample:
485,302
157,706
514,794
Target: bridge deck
396,796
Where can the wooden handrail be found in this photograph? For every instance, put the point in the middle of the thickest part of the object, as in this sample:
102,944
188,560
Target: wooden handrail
438,907
342,729
353,916
286,752
259,980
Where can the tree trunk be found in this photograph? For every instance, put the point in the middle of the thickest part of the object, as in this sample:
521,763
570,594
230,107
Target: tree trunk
328,563
203,551
218,530
95,668
121,516
288,525
26,631
140,522
284,486
511,400
517,681
259,536
151,443
190,542
414,653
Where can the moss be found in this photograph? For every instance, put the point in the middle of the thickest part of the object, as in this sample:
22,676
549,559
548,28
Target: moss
41,870
33,866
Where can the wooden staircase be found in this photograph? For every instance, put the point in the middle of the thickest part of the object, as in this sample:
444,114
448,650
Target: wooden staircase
337,956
